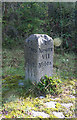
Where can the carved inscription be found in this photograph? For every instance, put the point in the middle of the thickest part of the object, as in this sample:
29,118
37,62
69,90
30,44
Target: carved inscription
45,50
45,60
46,56
45,63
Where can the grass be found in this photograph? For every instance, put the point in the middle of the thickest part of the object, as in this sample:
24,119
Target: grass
16,97
13,63
21,106
64,65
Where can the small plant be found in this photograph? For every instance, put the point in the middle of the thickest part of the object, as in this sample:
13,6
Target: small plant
50,85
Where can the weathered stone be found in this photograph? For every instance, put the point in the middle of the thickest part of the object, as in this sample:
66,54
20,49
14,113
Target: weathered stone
41,97
38,56
71,96
50,104
67,105
37,113
59,114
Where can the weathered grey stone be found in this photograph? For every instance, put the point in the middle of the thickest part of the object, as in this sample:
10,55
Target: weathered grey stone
37,113
71,96
38,56
41,97
50,104
59,114
67,105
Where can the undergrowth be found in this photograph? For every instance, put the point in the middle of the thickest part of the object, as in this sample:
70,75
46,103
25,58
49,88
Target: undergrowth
24,96
51,85
16,91
47,85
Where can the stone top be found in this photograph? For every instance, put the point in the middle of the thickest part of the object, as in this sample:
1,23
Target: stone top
39,38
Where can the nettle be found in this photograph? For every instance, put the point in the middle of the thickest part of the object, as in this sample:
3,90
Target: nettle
51,85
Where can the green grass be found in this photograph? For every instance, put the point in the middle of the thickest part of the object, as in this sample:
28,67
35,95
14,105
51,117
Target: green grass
64,65
20,105
13,63
15,96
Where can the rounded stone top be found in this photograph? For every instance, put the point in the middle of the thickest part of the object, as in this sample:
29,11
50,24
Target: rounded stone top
40,38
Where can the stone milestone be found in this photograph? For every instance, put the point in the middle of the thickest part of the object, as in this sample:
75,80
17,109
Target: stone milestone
38,57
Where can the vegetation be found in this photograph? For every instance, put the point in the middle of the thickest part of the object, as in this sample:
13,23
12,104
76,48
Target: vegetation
13,64
19,101
23,19
15,92
50,85
20,20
